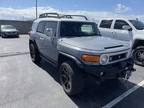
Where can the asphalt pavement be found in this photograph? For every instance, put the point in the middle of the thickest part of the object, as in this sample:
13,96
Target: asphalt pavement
24,84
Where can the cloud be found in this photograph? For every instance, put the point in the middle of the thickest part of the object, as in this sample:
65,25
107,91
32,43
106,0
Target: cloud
20,14
120,8
29,13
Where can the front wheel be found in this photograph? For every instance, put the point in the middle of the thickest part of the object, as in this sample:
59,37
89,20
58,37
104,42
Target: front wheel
138,55
71,78
3,36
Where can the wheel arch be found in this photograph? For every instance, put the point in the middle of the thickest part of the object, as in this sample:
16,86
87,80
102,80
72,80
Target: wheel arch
137,43
65,57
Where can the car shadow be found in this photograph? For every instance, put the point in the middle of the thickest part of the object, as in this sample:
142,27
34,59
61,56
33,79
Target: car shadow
95,95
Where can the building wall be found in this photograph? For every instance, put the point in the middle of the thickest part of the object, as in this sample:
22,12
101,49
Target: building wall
23,26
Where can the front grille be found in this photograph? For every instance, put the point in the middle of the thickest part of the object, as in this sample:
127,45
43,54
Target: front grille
11,33
117,57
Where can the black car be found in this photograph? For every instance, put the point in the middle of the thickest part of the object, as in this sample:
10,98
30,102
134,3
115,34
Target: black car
8,31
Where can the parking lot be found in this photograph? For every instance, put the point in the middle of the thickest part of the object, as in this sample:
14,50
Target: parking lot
24,84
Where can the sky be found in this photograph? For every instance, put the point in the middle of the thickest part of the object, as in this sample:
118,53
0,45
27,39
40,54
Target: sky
105,8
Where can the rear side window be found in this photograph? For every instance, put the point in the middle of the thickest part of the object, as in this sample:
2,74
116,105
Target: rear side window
106,23
119,24
33,26
40,27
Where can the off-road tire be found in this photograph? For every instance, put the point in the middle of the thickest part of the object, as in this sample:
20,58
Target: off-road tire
75,84
137,60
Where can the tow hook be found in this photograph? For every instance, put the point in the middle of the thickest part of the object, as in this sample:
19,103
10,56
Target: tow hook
129,73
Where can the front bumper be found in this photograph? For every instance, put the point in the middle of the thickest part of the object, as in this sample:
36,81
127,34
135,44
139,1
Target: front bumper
10,34
111,71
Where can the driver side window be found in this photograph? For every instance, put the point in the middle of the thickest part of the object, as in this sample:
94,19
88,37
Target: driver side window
119,24
50,25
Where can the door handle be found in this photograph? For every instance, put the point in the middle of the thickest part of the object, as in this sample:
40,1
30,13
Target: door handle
113,32
41,38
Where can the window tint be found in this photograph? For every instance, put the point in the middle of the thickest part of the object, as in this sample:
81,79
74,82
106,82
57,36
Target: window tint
51,25
137,24
78,29
40,27
119,24
106,23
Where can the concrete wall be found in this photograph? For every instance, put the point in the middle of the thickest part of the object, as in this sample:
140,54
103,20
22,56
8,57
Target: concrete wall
23,26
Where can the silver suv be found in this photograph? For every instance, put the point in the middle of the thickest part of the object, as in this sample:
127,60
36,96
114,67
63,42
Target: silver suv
75,47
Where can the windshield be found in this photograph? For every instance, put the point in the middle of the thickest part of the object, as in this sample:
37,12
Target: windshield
8,27
74,29
137,24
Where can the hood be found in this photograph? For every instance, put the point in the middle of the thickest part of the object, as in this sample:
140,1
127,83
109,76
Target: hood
9,30
95,43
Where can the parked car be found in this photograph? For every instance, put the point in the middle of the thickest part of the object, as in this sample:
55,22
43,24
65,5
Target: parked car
76,49
126,30
8,31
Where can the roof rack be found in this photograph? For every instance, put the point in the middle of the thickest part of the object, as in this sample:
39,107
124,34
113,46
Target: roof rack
51,15
71,16
56,15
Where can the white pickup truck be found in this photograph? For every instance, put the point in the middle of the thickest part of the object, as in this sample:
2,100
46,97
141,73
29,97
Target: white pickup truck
127,30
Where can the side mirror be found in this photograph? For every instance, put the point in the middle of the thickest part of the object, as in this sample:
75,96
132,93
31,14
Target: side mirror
48,31
127,27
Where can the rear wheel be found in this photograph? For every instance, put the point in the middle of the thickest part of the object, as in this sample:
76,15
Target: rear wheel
138,55
71,78
34,53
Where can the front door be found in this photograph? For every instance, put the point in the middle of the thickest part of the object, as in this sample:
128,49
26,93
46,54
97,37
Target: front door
51,40
120,33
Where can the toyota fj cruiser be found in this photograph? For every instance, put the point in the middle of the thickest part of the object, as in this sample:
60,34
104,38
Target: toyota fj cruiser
126,30
74,46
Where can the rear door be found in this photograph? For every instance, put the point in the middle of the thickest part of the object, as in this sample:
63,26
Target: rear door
119,33
105,28
39,35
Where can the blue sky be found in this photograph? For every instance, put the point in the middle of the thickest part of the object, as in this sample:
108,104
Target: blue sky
133,6
95,9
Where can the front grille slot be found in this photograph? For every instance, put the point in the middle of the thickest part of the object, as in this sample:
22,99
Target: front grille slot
113,47
117,57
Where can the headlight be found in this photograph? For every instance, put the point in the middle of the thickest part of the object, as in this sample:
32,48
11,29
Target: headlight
104,59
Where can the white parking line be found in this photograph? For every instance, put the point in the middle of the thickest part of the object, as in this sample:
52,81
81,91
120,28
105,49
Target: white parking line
125,94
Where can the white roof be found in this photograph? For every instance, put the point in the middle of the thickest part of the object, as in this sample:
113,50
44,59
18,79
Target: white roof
61,19
118,18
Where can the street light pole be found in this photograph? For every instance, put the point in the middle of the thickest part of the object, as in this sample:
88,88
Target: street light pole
36,9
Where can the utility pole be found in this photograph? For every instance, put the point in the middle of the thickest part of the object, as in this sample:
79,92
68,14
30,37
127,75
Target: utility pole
36,9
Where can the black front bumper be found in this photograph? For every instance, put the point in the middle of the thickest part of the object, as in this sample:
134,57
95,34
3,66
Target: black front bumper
115,70
7,34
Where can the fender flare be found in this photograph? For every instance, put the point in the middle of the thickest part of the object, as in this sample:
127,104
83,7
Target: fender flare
78,62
